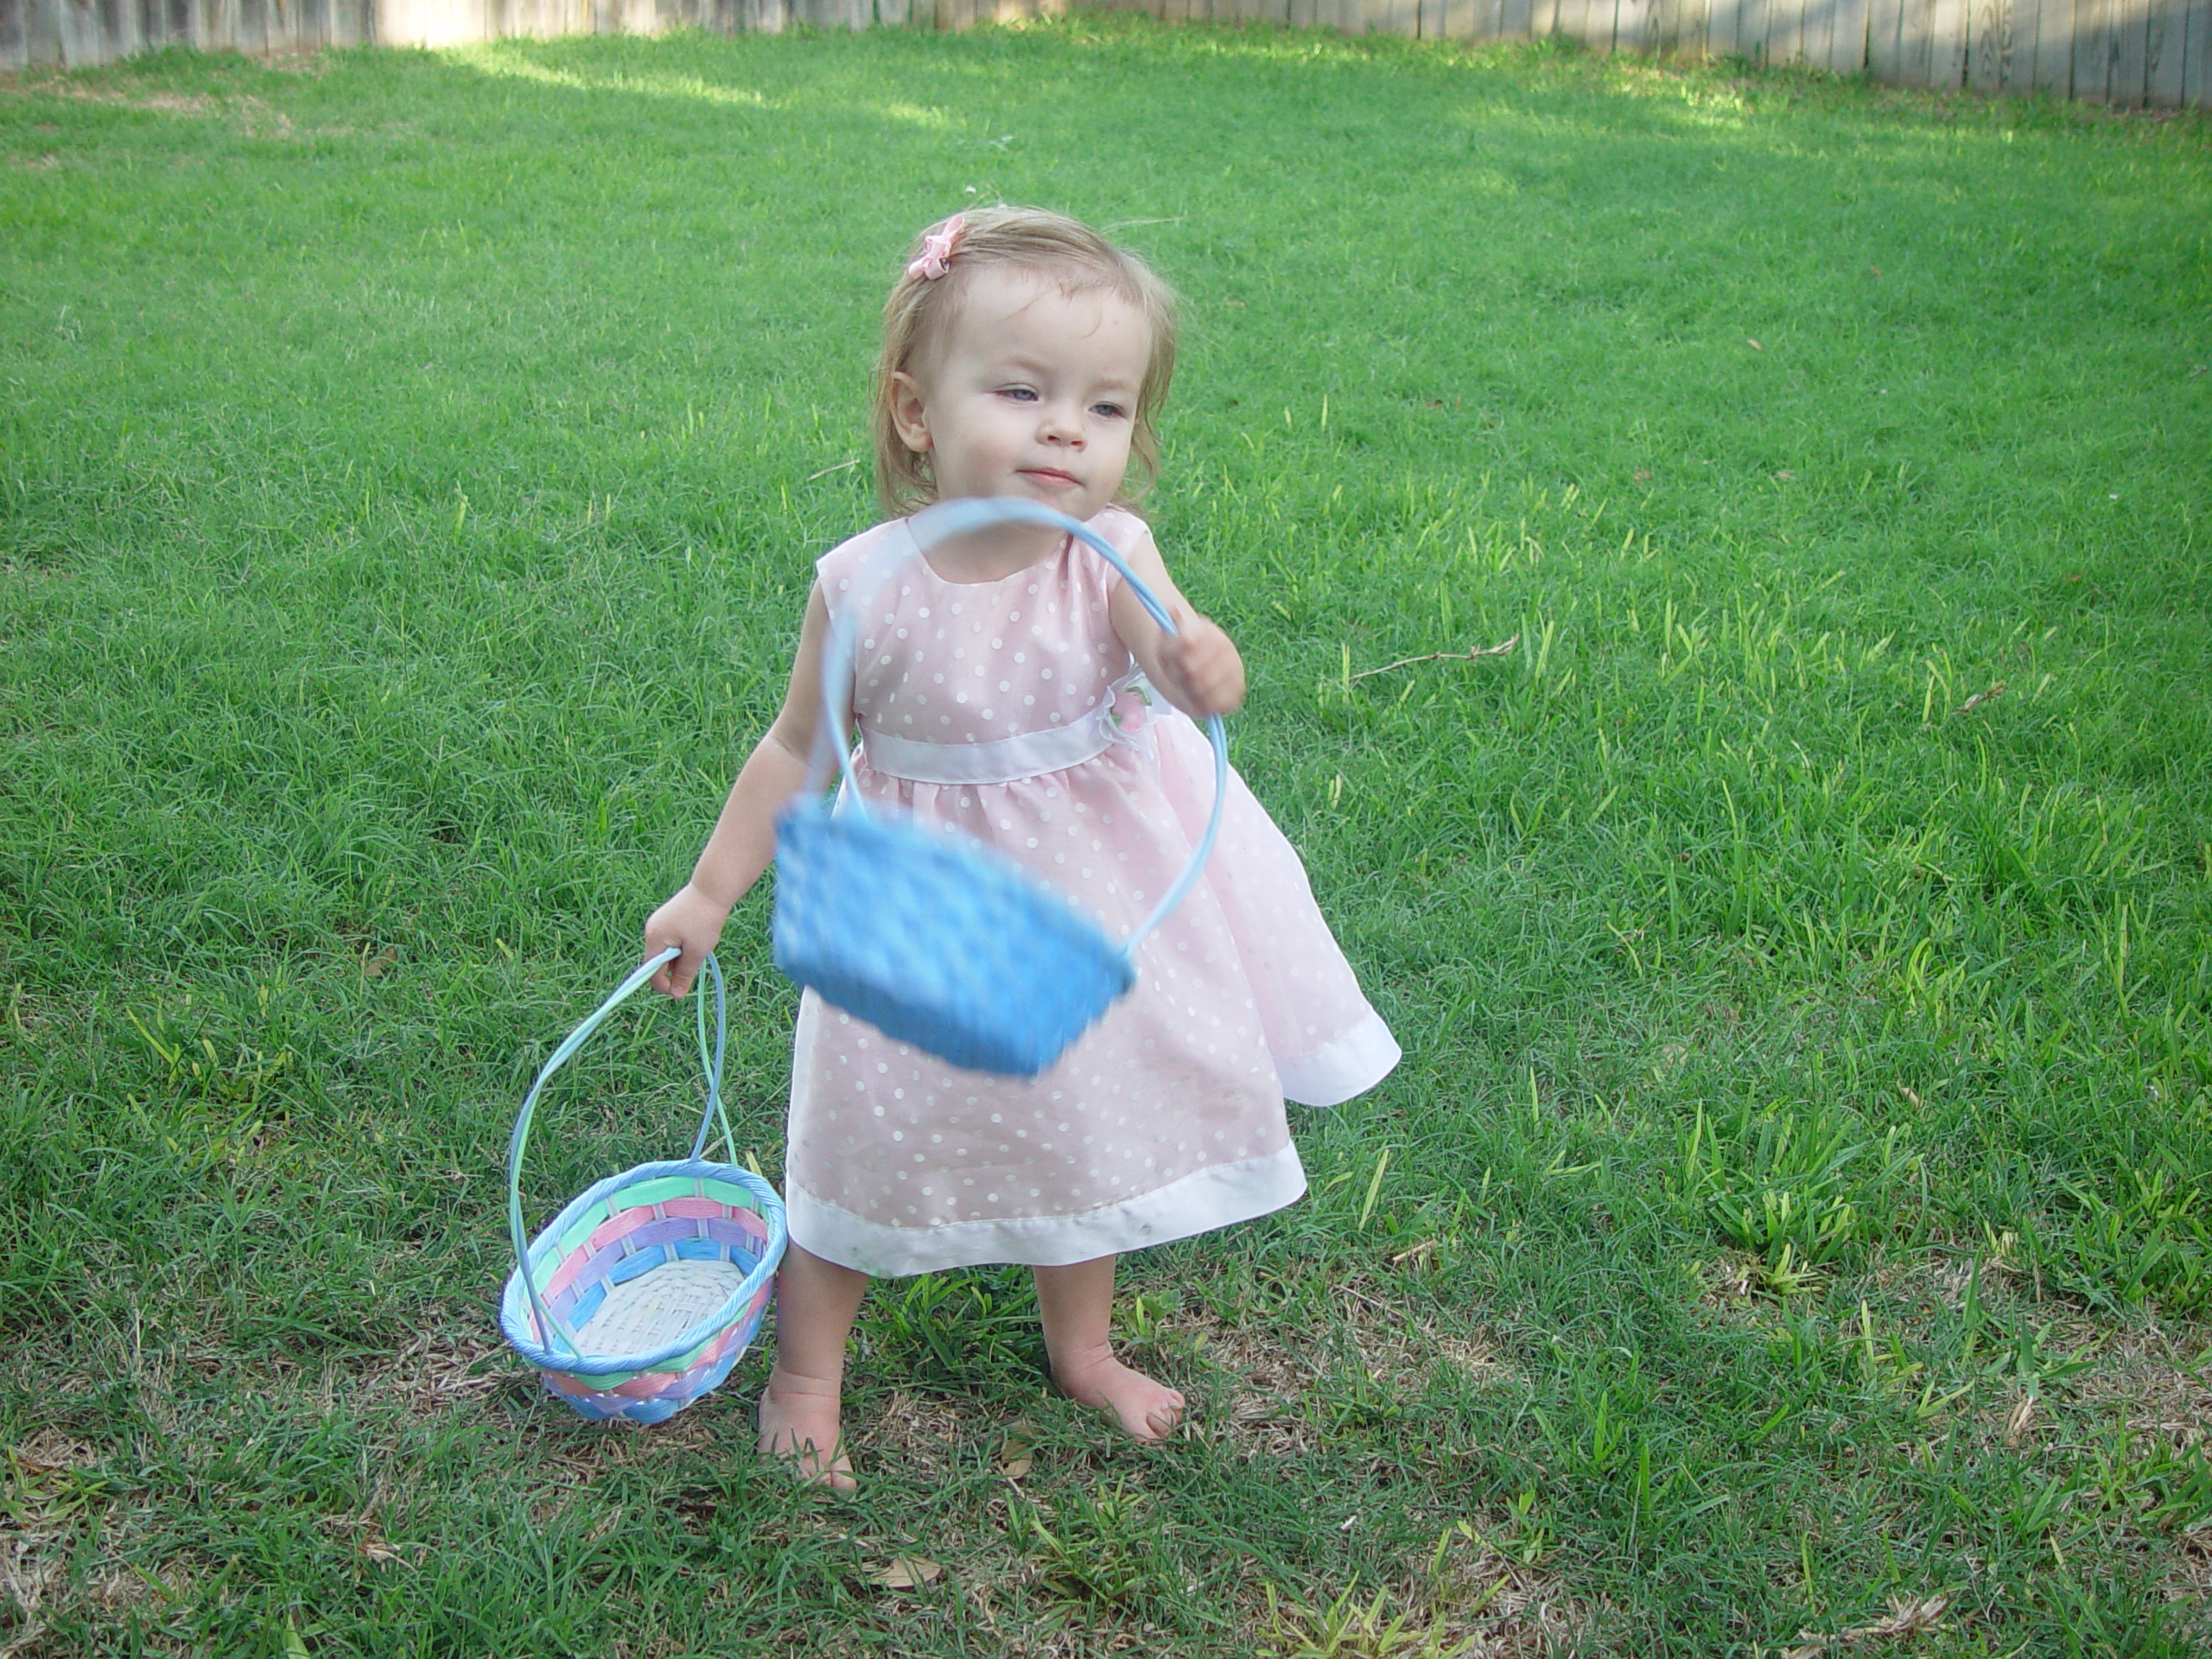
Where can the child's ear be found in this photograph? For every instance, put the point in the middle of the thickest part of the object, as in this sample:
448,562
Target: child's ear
908,414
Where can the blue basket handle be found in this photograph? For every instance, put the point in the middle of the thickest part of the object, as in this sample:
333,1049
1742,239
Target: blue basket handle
710,1060
941,523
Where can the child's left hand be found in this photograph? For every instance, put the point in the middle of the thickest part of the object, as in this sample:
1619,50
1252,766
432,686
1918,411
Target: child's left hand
1201,670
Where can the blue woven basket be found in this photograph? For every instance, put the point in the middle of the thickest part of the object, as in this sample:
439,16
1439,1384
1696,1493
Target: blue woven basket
929,936
638,1297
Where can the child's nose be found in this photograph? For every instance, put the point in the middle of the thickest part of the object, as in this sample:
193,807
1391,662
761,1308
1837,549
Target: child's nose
1062,423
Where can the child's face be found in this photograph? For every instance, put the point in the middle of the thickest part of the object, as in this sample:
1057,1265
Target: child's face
1032,393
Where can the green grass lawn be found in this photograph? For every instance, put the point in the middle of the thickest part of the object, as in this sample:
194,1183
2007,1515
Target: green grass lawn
1790,1221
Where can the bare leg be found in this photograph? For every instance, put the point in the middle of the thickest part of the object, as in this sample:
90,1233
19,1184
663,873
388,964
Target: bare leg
816,1302
1077,1303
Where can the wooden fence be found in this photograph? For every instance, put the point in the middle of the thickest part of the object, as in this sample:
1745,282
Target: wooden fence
2129,53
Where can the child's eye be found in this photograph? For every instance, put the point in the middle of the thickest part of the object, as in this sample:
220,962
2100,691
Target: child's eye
1108,411
1018,394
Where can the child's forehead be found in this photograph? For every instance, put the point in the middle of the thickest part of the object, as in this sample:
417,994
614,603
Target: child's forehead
1008,306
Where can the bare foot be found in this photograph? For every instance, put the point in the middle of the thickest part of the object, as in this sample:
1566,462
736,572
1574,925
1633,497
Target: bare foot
1149,1412
799,1423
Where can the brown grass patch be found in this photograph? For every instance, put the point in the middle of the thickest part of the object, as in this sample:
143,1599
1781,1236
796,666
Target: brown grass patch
1270,1372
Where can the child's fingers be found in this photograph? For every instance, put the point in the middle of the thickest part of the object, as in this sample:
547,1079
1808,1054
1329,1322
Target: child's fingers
675,976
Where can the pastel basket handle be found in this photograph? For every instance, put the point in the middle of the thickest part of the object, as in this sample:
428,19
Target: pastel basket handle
710,1060
941,523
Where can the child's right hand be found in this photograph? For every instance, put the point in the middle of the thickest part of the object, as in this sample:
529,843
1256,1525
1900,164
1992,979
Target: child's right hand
692,923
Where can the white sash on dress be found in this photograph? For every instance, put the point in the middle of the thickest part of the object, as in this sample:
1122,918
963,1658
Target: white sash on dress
1031,754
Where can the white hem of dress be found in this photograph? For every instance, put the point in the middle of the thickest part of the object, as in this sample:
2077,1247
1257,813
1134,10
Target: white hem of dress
1352,1065
1195,1203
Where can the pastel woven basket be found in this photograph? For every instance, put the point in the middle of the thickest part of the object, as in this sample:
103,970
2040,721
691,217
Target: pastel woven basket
933,937
640,1296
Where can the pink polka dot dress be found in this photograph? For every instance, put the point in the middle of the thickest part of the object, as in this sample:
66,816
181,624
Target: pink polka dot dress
1007,710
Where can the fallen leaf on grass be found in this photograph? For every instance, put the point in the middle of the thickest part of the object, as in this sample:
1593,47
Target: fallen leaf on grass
376,967
2017,1425
1643,478
906,1572
1754,345
1909,1615
1784,476
377,1553
1020,1452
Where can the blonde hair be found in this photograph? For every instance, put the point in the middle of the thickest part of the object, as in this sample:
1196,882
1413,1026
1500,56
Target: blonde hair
1052,247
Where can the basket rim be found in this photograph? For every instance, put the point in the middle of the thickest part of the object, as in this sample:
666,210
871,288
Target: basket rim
515,1320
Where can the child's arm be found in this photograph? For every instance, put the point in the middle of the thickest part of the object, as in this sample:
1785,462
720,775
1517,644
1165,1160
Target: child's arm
745,835
1196,667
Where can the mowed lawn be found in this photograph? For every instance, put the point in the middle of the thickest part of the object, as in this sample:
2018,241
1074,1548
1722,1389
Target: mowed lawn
1787,1231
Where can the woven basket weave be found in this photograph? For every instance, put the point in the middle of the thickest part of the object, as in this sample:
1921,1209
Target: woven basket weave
931,937
640,1296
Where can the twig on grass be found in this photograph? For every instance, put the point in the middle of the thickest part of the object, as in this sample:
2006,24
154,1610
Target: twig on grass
1981,698
1474,654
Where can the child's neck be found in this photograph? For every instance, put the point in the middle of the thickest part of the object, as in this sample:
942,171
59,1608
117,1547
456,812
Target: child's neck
994,554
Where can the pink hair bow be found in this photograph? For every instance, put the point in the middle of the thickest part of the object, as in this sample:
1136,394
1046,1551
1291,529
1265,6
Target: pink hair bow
936,251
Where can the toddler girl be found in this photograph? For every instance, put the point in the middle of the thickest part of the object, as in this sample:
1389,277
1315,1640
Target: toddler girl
1000,688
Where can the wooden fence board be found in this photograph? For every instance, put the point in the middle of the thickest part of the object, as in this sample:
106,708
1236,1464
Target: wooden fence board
1847,43
2024,23
1985,43
1633,25
2169,39
1720,28
1778,30
1755,27
2196,57
1883,17
1816,28
1785,30
2092,49
2051,69
1401,17
1816,33
2130,53
74,34
1916,37
119,31
1947,44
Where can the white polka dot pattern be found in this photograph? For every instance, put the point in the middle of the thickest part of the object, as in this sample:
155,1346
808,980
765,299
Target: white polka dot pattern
1178,1088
